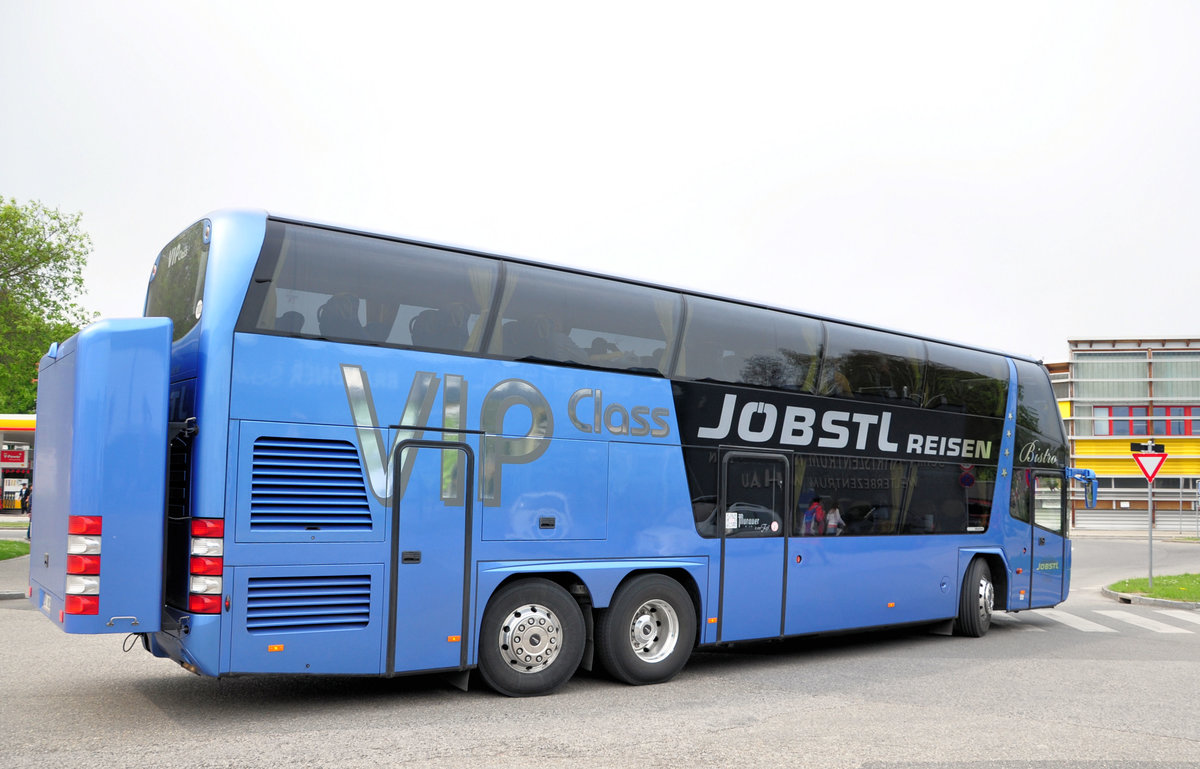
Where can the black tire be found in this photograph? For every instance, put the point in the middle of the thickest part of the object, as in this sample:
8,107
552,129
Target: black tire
531,639
976,602
646,634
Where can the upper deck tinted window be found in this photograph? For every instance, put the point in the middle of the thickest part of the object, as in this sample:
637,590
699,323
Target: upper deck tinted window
564,317
968,381
313,282
176,289
726,342
871,365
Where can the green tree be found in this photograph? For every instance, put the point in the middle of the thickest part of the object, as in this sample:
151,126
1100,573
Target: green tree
42,255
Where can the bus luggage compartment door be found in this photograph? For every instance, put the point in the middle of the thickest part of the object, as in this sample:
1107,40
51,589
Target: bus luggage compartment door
100,478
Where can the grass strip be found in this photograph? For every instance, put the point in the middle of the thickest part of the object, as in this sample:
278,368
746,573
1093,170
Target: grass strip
12,548
1181,587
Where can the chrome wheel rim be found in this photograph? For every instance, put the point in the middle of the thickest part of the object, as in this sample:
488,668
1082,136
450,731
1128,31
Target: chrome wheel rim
530,638
654,631
987,599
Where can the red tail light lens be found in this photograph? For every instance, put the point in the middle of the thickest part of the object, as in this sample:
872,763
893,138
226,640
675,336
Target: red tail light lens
208,527
83,524
204,604
207,565
82,604
83,564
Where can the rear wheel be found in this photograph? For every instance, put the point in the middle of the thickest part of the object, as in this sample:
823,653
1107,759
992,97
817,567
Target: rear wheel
646,634
531,639
975,604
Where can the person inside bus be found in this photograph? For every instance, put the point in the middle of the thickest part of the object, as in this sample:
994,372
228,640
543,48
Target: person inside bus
338,317
834,525
813,524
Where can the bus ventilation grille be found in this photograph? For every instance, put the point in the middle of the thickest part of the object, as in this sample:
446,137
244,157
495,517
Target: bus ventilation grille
301,484
276,604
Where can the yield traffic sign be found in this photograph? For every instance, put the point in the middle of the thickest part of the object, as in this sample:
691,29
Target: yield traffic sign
1150,463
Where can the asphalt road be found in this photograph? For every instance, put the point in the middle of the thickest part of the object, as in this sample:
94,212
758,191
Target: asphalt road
1041,689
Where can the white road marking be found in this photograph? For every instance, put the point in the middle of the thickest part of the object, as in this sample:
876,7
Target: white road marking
1079,623
1143,622
1183,614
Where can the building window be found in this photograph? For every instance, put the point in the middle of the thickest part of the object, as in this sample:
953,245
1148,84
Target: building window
1127,420
1131,420
1184,420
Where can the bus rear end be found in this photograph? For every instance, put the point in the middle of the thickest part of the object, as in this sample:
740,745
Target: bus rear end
100,475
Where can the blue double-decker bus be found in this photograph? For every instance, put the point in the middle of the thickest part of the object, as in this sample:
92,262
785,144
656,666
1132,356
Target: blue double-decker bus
324,451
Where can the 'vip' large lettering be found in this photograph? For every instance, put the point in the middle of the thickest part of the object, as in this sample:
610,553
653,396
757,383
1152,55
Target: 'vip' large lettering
497,449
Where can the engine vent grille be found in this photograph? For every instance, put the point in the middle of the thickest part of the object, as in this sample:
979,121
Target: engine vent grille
307,484
276,604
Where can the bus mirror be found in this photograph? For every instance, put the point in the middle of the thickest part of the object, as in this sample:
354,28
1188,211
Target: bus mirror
1090,485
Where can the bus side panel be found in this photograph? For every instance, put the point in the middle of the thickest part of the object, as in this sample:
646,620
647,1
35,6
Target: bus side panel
102,440
836,583
308,619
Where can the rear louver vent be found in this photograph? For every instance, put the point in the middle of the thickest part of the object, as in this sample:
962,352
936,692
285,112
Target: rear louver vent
277,604
301,484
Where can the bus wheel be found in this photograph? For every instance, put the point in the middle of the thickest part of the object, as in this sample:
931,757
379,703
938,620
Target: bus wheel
531,639
646,634
978,597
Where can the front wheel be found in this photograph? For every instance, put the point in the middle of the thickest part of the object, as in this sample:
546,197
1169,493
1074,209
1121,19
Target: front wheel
975,604
646,634
531,639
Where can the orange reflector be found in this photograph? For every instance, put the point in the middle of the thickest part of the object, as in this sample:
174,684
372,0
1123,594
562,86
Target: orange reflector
1020,571
712,620
275,648
82,604
84,524
453,638
891,604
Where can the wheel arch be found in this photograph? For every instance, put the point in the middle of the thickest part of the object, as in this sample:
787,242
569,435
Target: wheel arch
997,564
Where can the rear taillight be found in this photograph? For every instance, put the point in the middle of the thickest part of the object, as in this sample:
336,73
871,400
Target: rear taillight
83,564
206,563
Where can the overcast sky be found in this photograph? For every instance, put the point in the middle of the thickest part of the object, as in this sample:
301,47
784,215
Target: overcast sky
1009,175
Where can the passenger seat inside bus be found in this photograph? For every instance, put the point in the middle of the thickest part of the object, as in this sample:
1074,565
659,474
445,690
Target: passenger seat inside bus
338,318
291,322
439,329
522,339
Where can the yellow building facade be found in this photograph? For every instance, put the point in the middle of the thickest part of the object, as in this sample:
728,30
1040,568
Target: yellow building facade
1116,392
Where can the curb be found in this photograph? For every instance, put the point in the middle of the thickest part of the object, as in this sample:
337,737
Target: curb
1143,600
11,595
